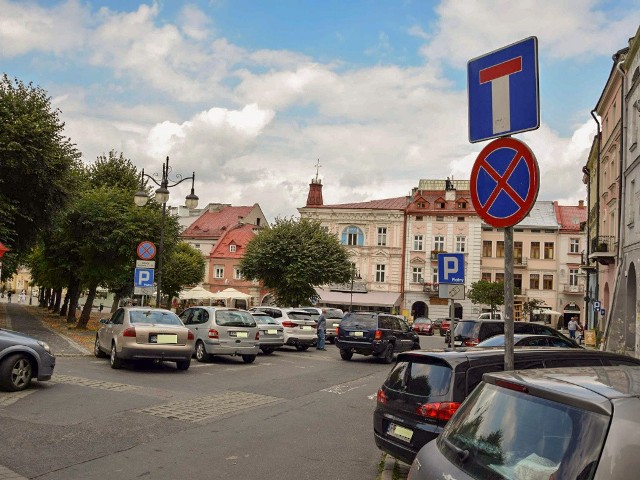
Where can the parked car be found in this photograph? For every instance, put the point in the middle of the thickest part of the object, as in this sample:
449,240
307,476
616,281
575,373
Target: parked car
527,340
271,332
423,326
141,333
490,316
378,334
222,331
332,318
22,359
444,324
425,388
470,333
298,327
563,423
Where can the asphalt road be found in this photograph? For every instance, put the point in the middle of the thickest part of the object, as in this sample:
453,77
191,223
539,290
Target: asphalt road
290,415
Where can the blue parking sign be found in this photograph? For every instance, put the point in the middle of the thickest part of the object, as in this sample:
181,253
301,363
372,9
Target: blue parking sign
451,268
143,277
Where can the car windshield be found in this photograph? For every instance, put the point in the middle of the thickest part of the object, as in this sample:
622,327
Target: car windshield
154,316
467,329
490,437
359,320
265,320
234,318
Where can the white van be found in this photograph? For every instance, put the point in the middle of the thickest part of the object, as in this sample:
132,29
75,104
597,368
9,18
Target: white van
488,316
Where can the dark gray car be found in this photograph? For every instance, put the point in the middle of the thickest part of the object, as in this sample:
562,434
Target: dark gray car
565,423
23,358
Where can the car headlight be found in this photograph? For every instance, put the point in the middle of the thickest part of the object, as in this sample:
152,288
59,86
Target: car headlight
45,346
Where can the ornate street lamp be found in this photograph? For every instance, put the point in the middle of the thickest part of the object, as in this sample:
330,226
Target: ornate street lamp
162,196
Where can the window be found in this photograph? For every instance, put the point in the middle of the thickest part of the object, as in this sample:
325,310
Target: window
535,230
573,277
548,250
500,248
418,243
535,250
517,281
419,218
380,273
382,236
534,281
434,276
196,245
422,205
486,276
500,277
232,248
461,243
574,245
439,218
417,275
461,219
237,274
547,282
218,271
438,243
352,236
517,253
487,248
440,204
462,204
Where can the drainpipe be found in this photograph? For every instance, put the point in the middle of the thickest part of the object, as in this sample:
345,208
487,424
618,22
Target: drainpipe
597,209
404,250
587,310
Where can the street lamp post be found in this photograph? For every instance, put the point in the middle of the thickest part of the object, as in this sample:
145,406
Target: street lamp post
162,196
354,276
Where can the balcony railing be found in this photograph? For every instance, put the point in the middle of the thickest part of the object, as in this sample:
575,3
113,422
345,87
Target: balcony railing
577,289
604,244
430,289
434,254
520,262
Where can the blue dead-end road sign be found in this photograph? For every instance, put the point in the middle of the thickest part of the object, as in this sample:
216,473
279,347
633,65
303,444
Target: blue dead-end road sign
143,277
451,268
503,91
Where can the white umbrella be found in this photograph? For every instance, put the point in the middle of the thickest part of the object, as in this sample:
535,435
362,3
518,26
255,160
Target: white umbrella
196,293
230,294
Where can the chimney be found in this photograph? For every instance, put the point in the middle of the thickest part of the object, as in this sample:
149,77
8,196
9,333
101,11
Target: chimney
314,199
581,203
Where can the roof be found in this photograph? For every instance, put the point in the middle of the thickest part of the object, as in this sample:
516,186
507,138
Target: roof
239,235
542,215
570,217
212,224
396,203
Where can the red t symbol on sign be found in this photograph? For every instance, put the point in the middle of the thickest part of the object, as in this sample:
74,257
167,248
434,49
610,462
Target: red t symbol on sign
498,75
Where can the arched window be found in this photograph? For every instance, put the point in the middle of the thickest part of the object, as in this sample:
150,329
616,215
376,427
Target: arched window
352,236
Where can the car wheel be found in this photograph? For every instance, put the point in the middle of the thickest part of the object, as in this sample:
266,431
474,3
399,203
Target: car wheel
267,350
114,361
201,352
248,358
96,349
183,364
302,348
331,340
387,357
346,354
16,372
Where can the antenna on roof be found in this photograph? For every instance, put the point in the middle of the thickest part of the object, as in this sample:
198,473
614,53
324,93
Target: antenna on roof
317,169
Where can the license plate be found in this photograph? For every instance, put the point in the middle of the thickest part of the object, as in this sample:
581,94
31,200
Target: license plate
166,338
336,324
272,332
457,344
306,327
241,334
401,432
357,334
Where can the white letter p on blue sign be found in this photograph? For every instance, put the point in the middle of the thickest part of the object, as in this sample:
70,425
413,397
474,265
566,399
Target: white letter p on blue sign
451,268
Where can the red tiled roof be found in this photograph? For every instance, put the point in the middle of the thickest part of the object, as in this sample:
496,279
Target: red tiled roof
570,217
239,235
397,203
213,224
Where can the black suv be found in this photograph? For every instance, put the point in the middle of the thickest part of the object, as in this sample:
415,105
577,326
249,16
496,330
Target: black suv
425,388
378,334
468,333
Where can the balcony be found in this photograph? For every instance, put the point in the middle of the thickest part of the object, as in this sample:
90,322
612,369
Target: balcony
520,262
572,289
604,249
431,289
434,254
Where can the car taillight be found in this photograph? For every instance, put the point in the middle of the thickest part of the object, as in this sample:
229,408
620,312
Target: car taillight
190,335
438,410
129,332
378,335
213,333
382,397
257,335
288,324
471,342
512,386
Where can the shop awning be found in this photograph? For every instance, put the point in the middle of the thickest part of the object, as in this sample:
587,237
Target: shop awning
372,299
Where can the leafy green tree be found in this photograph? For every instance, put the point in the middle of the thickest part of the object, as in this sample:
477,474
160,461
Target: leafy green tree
293,256
37,164
487,293
184,266
530,305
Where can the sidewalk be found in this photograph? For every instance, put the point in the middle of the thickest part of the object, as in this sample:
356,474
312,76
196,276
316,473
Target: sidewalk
18,317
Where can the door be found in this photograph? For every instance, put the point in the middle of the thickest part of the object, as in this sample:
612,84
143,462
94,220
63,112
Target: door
405,333
111,328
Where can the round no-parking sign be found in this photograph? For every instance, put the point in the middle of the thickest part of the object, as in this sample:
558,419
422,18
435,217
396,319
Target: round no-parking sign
505,179
146,250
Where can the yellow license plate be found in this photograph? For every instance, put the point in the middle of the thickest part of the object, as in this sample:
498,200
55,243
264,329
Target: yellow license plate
402,432
306,327
272,332
166,338
241,334
358,334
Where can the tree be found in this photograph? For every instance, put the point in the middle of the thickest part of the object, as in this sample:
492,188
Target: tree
487,293
37,164
292,257
184,266
530,305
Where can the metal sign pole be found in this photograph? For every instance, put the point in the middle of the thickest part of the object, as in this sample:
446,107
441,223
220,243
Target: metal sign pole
508,299
452,323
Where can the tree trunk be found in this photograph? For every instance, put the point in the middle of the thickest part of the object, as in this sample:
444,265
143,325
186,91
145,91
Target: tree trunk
56,306
52,299
47,297
41,301
88,305
116,301
74,294
65,305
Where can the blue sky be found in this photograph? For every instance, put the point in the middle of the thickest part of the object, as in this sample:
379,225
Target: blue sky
249,94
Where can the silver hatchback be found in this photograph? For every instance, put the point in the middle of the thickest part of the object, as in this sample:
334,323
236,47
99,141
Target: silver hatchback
222,331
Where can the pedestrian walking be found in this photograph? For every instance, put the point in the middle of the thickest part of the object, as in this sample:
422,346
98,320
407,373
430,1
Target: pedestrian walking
23,296
9,296
573,326
322,327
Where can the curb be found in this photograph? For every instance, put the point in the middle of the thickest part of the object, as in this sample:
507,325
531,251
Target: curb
392,465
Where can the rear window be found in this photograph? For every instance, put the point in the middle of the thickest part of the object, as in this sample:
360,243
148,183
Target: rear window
490,438
300,316
359,320
421,379
334,313
231,318
467,329
422,320
265,320
154,316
